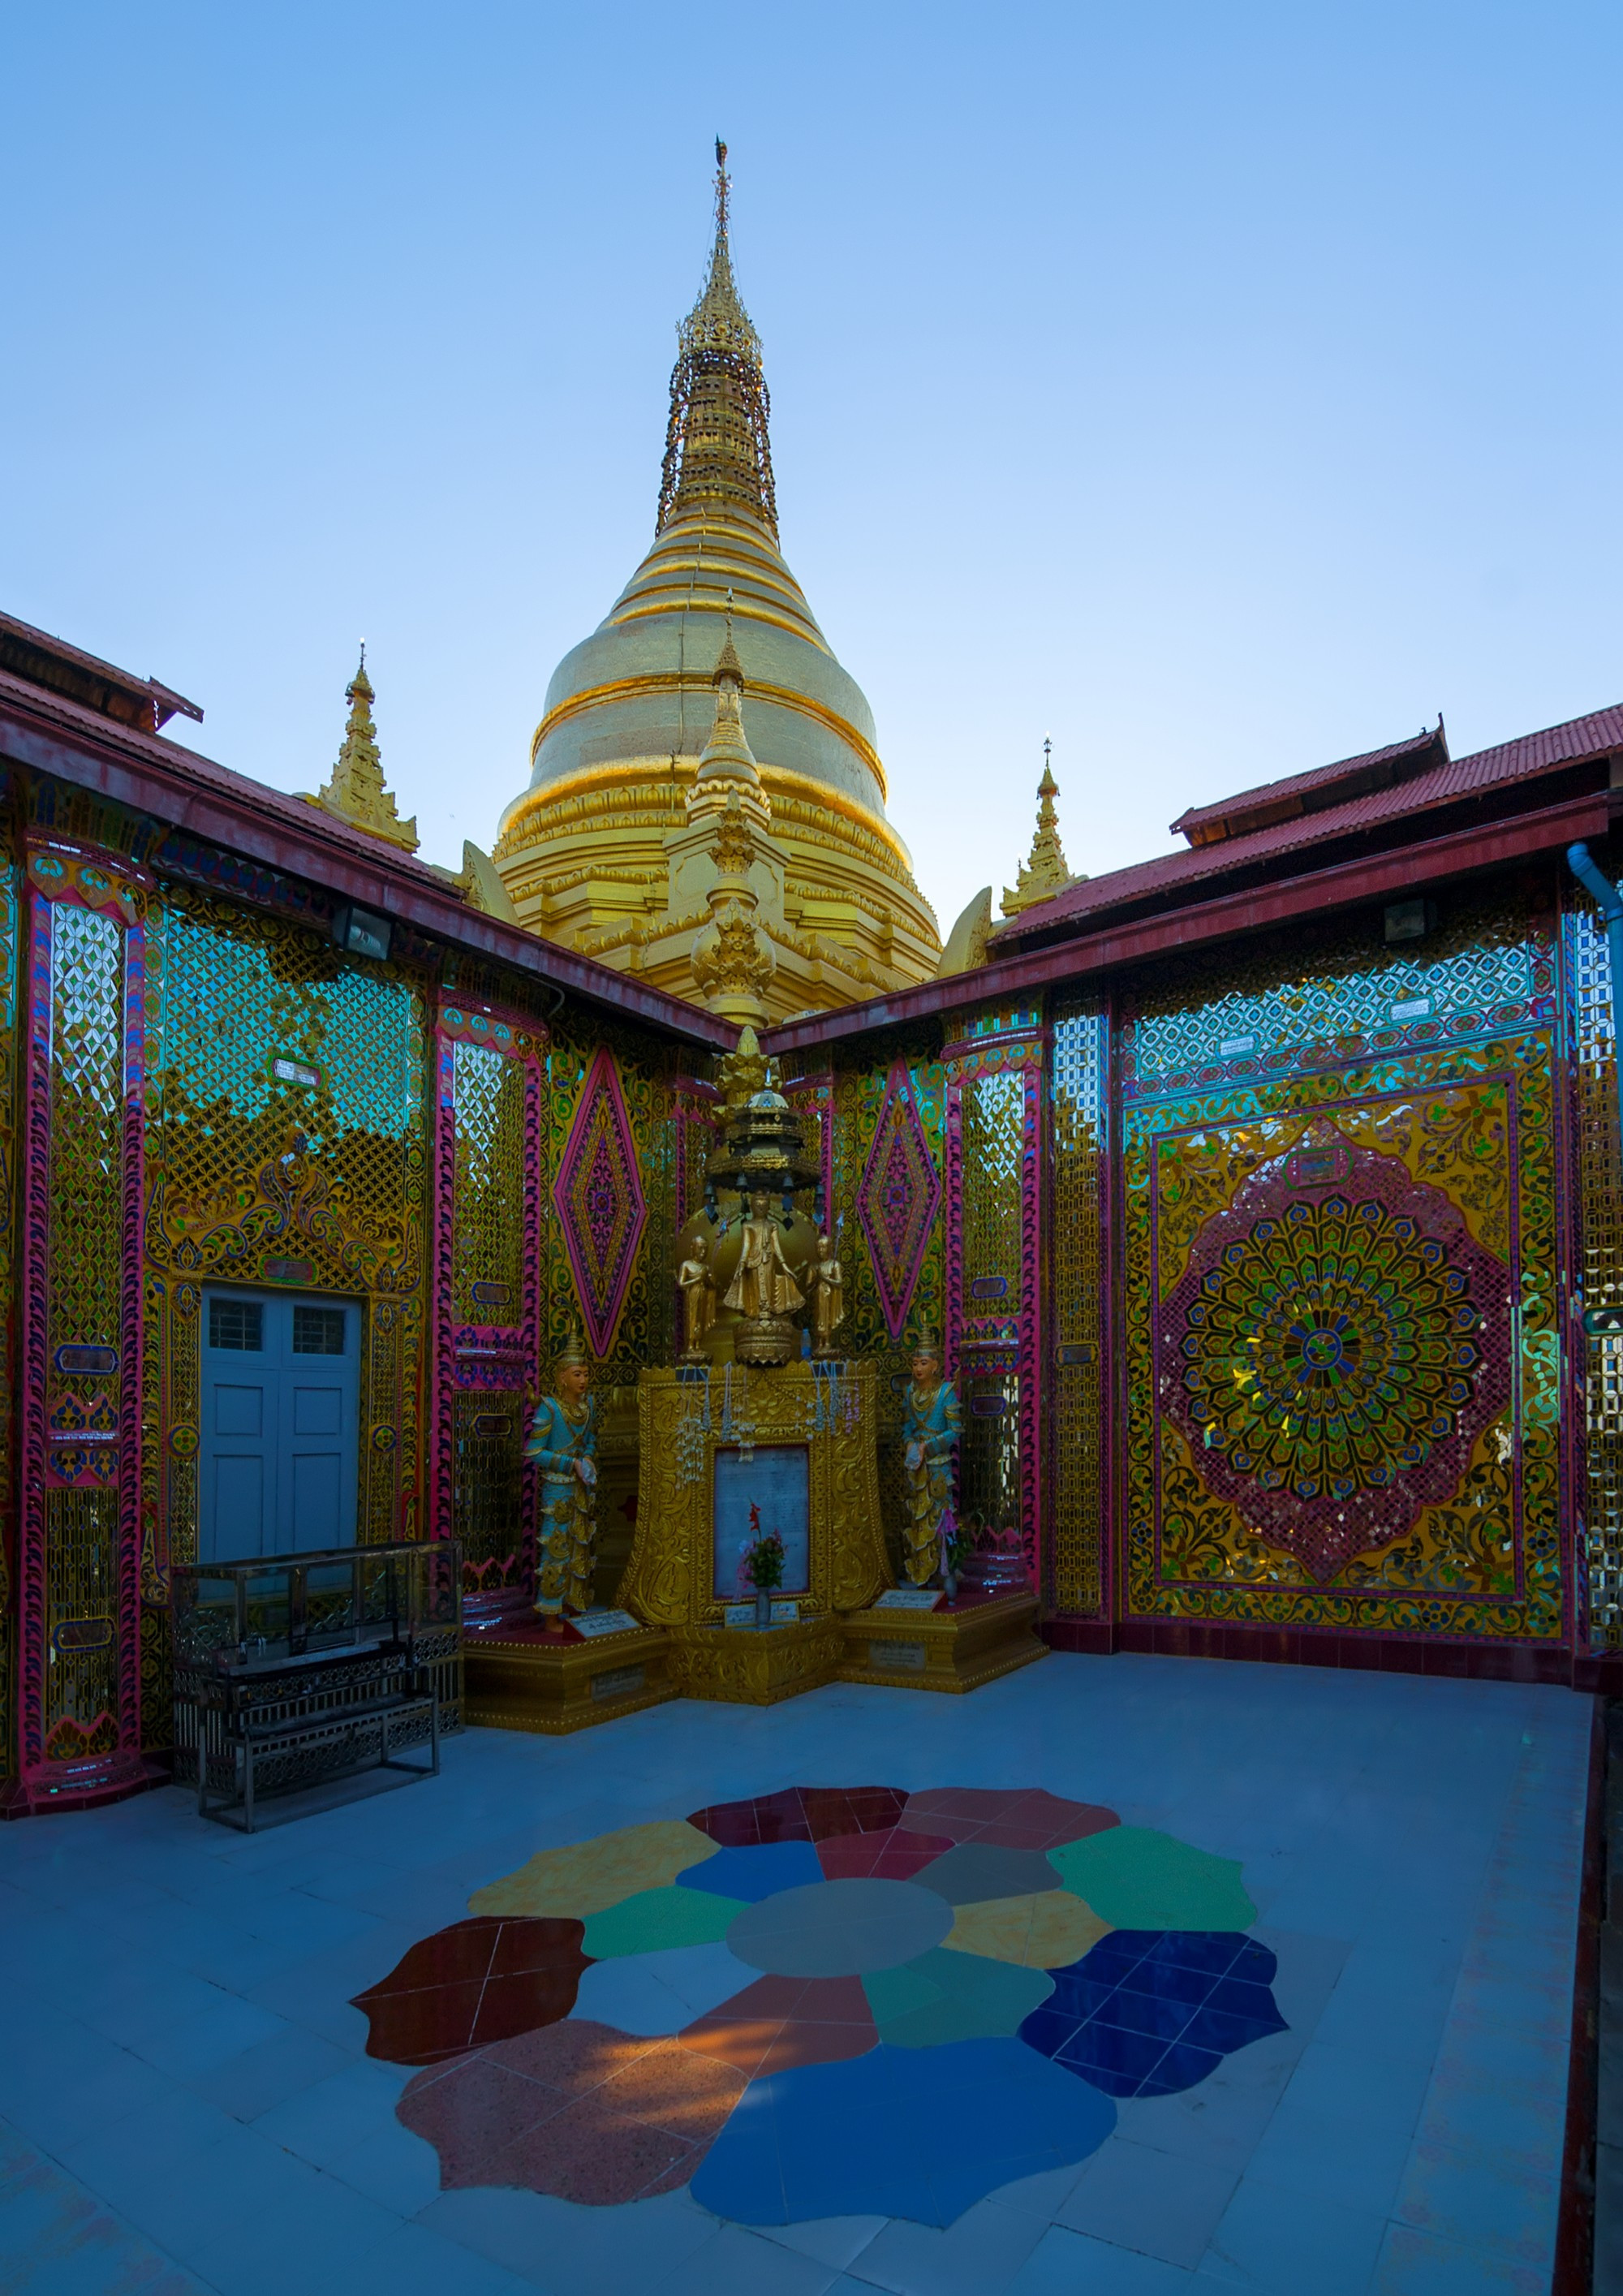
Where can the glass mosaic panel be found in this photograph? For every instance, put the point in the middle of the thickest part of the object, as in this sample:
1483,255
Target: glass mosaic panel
81,1608
1592,1031
258,1175
1291,1001
492,1218
1431,1515
1078,1089
488,1436
992,1111
991,1114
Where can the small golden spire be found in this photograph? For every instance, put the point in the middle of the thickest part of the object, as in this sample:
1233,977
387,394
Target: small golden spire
1044,873
727,758
356,791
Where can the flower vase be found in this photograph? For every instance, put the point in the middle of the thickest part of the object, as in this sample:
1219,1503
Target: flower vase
950,1585
763,1606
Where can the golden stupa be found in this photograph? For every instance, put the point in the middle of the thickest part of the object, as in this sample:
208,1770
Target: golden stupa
770,882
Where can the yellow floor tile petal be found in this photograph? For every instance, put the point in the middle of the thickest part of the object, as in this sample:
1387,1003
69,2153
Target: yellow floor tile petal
589,1877
1042,1932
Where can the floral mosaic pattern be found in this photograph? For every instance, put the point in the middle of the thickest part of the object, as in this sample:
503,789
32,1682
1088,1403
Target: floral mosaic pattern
1325,1349
778,2000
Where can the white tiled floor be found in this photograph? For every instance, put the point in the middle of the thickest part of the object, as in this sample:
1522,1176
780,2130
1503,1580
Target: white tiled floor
186,2103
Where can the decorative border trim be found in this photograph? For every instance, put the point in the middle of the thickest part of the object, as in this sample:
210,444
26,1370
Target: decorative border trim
60,873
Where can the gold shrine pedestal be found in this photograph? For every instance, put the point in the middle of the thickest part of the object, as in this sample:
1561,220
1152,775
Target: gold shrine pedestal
519,1676
797,1443
958,1647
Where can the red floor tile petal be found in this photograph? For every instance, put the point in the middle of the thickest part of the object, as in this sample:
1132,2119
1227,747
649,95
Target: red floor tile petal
896,1855
476,1982
782,2021
800,1814
1005,1818
626,2117
459,1953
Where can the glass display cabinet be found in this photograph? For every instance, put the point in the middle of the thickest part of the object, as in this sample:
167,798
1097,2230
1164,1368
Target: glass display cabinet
289,1671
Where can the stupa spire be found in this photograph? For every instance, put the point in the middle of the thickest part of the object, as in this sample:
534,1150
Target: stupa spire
717,453
1043,873
355,791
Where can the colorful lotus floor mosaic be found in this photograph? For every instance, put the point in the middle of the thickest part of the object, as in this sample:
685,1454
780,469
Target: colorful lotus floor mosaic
780,2001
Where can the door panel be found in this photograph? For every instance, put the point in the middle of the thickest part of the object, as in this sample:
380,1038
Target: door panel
317,1509
235,1525
317,1410
238,1410
280,1408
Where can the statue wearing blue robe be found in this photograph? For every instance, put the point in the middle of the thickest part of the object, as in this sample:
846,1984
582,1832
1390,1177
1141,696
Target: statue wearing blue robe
563,1444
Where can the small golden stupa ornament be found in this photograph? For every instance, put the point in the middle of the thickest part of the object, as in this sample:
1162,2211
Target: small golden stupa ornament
355,792
1043,873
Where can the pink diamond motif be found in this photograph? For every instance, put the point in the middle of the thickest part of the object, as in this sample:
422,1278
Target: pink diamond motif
600,1206
897,1199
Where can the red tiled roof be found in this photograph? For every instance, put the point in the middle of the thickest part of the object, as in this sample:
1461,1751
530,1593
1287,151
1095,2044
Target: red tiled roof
1374,768
190,793
1444,785
147,694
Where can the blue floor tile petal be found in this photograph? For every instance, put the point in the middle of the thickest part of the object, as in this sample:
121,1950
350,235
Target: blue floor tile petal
1148,2012
758,1871
865,2137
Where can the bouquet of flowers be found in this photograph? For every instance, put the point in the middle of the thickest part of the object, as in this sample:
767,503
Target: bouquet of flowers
762,1567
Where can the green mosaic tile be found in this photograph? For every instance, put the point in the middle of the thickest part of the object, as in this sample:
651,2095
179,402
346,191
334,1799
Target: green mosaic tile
952,1996
655,1920
1138,1879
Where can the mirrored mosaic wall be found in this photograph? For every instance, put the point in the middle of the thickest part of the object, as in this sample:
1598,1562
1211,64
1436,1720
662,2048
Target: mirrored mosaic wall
1342,1291
200,1095
1597,1327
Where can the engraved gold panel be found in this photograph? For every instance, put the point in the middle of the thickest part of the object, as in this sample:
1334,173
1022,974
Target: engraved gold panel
667,1581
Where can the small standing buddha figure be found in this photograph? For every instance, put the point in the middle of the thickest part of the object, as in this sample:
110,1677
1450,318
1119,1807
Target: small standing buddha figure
762,1284
930,1435
697,1279
828,1299
562,1440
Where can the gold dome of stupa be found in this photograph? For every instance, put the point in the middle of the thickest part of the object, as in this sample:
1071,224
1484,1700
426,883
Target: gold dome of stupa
619,846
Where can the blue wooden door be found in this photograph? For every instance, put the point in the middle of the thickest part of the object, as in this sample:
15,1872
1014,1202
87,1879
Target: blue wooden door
281,1403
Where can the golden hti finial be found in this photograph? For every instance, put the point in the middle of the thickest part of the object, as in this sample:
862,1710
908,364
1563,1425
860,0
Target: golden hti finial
716,449
355,792
1043,873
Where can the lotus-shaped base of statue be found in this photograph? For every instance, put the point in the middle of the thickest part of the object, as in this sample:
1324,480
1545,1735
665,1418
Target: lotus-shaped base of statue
764,1343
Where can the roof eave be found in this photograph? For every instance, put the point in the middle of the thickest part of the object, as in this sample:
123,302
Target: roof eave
159,780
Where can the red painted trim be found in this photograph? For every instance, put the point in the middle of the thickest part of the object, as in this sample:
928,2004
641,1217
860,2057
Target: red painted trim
173,786
1575,2228
1465,852
1287,1646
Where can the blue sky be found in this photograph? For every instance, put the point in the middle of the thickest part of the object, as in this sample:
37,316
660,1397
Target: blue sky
1222,388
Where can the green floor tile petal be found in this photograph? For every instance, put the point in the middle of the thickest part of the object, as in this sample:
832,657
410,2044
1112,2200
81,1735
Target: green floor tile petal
952,1996
1137,1879
656,1919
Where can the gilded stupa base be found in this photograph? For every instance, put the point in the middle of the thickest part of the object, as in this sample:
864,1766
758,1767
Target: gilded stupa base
519,1678
744,1666
975,1641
